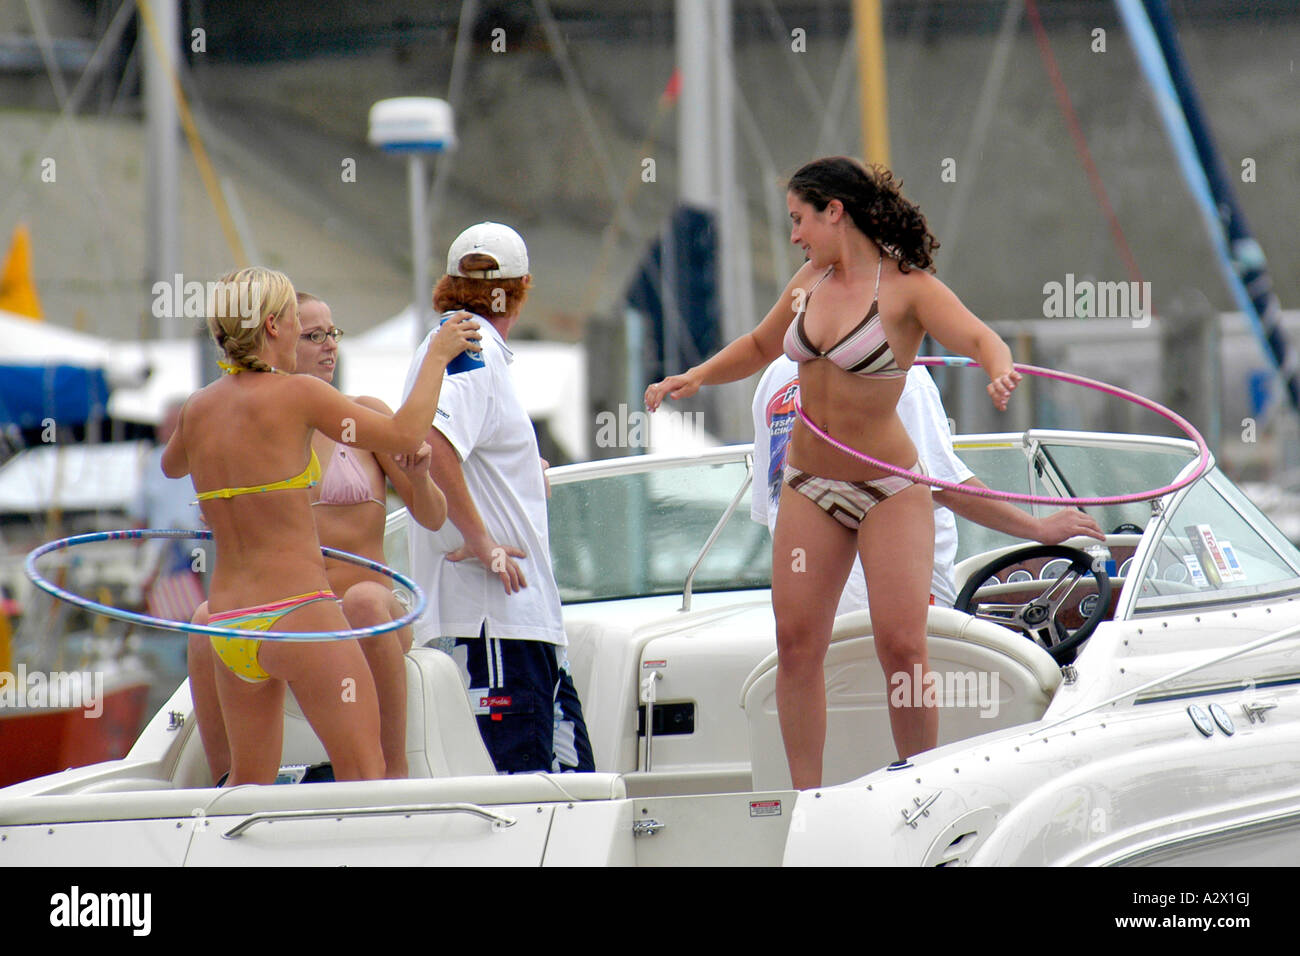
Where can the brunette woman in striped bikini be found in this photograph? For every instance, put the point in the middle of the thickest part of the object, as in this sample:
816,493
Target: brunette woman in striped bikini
853,317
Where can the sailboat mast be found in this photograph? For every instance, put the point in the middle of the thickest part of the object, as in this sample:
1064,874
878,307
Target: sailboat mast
1241,259
163,151
869,31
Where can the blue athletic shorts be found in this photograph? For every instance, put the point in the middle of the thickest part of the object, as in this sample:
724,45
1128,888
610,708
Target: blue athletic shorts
526,705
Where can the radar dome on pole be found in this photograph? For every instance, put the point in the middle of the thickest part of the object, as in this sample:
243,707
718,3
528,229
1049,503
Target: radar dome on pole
415,125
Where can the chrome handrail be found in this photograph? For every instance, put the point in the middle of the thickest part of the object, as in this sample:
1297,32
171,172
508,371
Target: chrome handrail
638,464
717,530
499,820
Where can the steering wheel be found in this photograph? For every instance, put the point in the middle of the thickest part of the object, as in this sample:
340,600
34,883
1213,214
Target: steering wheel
1038,619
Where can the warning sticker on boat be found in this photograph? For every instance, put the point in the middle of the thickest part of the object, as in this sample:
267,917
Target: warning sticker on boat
765,808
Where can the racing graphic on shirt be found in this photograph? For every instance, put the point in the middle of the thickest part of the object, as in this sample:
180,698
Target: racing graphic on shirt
780,420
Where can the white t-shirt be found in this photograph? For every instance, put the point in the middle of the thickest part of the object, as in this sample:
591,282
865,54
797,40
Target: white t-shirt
922,414
480,414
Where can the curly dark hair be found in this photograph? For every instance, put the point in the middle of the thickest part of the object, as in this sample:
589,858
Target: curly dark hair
874,201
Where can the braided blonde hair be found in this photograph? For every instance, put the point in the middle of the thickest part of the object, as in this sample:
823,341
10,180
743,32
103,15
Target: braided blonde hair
238,306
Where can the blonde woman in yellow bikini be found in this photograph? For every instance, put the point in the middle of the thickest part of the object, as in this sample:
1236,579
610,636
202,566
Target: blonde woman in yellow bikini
351,481
238,437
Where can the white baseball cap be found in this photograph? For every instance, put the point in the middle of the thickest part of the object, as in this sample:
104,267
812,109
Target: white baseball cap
490,239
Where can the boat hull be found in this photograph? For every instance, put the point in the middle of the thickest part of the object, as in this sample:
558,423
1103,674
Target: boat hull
36,742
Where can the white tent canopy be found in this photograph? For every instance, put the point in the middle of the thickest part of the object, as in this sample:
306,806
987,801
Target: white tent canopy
73,477
126,364
32,341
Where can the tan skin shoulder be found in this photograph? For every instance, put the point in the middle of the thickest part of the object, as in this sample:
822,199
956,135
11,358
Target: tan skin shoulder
908,296
175,459
214,418
921,292
284,409
369,401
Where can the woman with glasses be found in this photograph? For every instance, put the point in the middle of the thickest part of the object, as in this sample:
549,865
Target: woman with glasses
348,504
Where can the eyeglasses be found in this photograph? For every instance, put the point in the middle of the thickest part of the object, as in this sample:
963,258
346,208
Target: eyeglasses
319,336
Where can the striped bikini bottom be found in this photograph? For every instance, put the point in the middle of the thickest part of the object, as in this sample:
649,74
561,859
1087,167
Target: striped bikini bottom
847,501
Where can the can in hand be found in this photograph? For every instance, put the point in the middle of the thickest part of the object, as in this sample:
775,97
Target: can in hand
468,360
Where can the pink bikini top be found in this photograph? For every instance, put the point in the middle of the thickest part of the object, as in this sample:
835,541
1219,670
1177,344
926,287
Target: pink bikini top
345,481
863,351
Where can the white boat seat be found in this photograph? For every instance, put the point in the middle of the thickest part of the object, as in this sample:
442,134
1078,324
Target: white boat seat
974,657
442,738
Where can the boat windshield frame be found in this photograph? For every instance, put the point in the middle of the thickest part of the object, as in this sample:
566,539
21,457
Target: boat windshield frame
1044,476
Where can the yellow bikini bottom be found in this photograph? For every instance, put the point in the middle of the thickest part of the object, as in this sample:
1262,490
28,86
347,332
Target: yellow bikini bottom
240,654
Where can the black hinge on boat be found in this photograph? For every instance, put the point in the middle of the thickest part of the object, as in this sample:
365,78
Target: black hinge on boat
669,719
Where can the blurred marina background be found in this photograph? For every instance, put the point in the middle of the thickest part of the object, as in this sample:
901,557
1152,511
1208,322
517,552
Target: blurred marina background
641,149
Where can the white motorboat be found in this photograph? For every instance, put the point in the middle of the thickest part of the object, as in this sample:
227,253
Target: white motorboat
1148,715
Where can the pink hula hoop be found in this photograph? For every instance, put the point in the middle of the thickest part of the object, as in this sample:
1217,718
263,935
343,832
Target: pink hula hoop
959,362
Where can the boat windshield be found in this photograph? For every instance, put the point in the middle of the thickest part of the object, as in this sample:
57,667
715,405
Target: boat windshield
1074,468
1216,548
635,527
637,533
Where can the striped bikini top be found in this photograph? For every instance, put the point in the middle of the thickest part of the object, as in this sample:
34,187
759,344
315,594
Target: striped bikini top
863,351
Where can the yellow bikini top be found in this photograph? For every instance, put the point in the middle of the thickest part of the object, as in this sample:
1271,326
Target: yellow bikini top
308,479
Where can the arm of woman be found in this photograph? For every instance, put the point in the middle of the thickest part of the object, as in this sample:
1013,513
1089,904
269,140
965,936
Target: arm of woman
938,310
409,476
424,500
175,459
1005,517
744,356
334,414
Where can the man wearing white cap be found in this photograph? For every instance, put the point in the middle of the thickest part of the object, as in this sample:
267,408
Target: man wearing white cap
488,571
